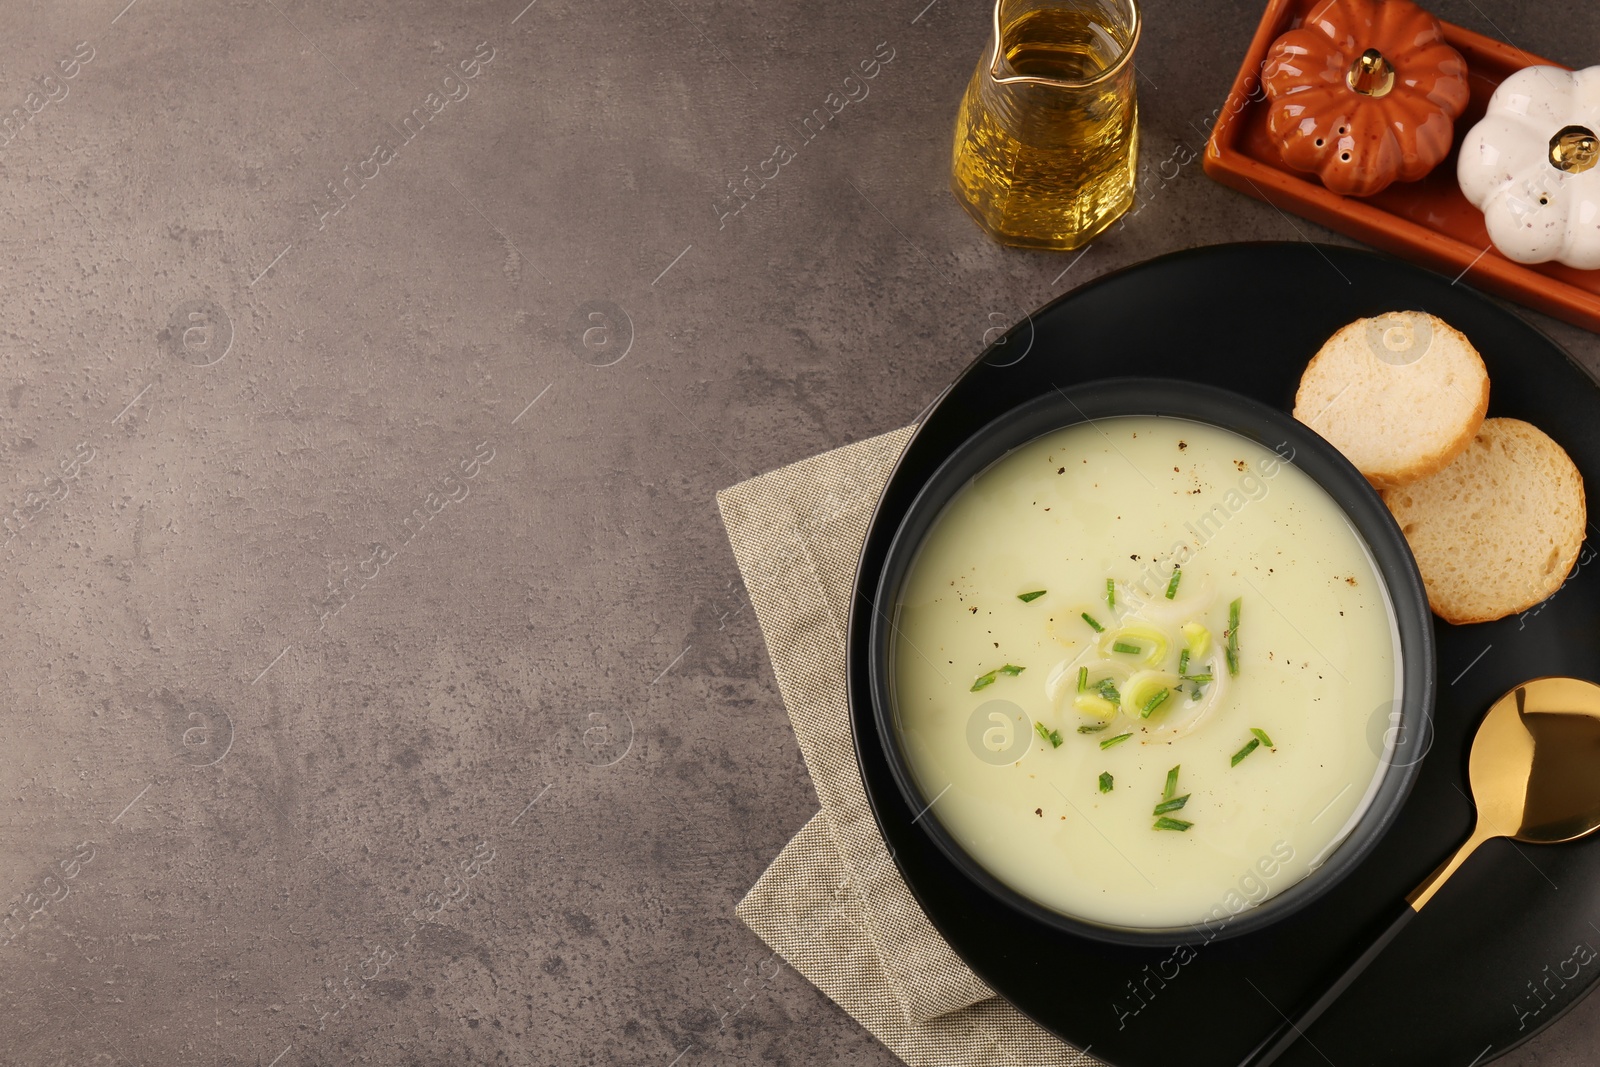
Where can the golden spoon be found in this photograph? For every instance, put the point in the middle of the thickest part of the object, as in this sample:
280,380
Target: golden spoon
1535,774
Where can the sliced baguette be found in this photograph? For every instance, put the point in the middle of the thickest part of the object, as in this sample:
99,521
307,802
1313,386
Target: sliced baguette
1499,529
1401,395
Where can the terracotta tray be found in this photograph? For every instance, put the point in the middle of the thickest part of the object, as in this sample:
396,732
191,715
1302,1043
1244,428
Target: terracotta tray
1428,221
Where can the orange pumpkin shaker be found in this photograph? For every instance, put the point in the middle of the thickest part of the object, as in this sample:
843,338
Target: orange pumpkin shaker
1364,93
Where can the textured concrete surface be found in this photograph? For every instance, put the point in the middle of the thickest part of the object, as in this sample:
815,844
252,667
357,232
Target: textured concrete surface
357,711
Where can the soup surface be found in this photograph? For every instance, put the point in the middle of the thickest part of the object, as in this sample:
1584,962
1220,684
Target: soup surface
1117,753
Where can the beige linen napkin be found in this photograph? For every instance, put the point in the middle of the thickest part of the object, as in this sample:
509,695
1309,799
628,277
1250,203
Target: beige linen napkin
833,904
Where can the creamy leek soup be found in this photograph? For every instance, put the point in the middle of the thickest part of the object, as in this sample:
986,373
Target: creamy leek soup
1136,667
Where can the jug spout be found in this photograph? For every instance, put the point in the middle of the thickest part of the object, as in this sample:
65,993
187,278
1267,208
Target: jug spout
1092,44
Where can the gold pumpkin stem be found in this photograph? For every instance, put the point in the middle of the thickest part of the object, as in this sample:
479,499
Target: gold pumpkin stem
1575,149
1371,74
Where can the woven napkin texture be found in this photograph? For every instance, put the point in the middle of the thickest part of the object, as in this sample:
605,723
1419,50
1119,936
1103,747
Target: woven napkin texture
833,904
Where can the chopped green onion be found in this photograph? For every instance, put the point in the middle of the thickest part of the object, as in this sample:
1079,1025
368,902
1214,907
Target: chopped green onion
1165,823
1183,662
1108,742
1154,702
1123,646
1106,781
1111,593
1261,735
1233,637
1092,728
1055,739
1028,598
1172,585
1149,642
1083,678
1093,625
1206,677
1171,805
1052,736
1172,783
1040,729
983,681
1245,751
1108,689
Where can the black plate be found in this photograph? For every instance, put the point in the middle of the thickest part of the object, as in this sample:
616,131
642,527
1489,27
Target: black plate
1511,943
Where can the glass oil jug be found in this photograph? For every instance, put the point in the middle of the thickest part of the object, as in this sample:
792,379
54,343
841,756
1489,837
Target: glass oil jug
1046,143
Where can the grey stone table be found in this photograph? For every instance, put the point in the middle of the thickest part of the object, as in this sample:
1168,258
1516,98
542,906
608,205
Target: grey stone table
368,373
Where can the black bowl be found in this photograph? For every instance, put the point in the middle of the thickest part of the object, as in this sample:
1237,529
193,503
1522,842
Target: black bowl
1254,421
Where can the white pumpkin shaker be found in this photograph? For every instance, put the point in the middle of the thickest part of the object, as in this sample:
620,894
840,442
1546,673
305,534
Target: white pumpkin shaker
1532,166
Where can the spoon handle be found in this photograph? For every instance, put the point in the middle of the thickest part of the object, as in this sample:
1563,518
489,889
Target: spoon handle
1293,1027
1290,1030
1420,896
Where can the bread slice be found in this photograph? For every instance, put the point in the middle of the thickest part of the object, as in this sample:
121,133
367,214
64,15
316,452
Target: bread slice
1400,395
1499,529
